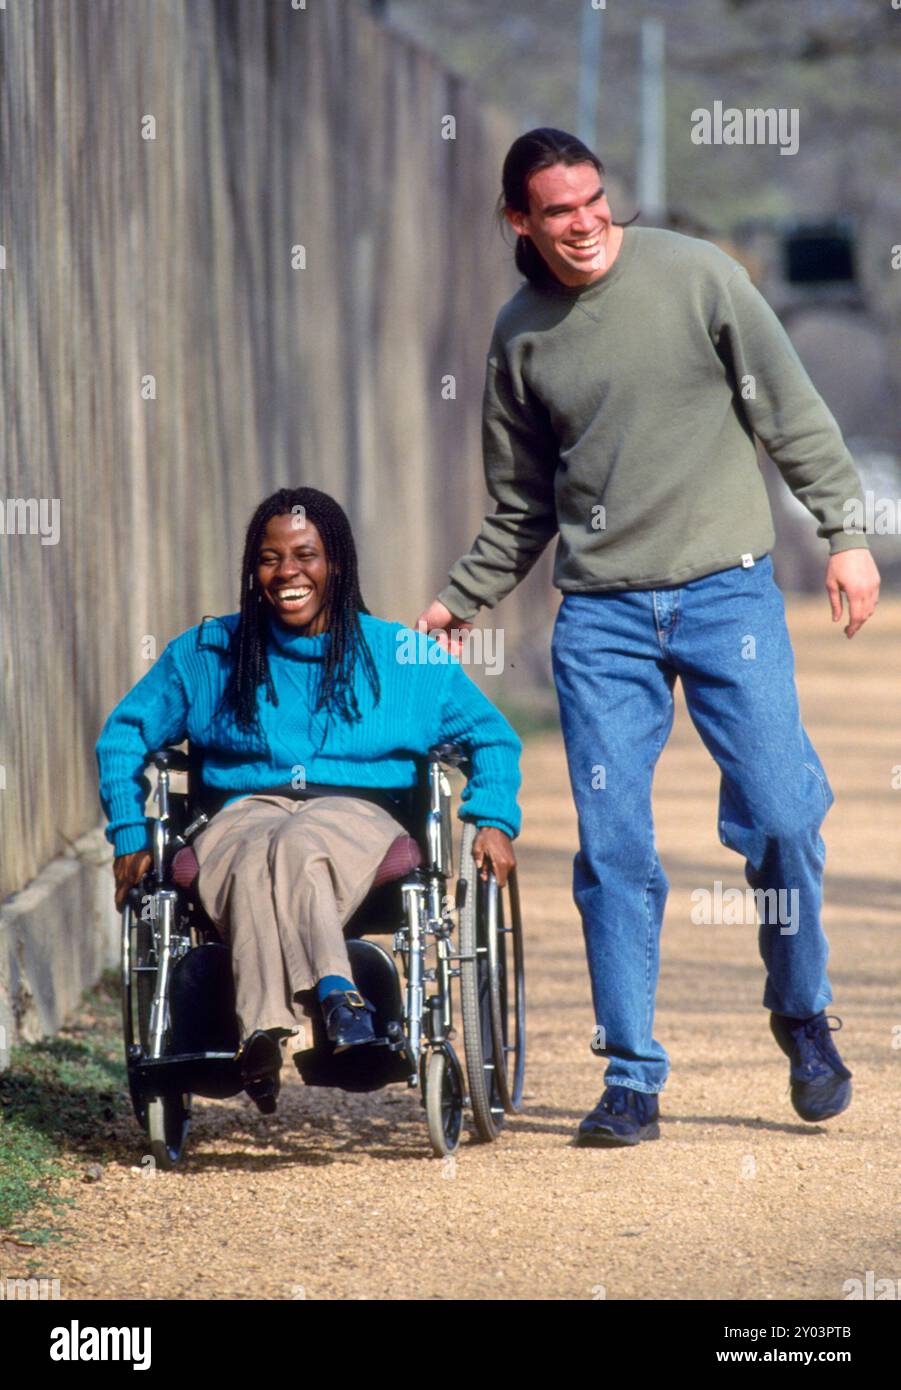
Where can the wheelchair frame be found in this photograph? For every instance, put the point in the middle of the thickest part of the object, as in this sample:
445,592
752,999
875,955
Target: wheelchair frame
163,924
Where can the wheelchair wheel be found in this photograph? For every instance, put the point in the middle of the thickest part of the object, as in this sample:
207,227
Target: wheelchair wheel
444,1099
136,998
164,1118
492,989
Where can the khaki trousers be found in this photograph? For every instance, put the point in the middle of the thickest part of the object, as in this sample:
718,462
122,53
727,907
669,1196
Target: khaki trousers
280,878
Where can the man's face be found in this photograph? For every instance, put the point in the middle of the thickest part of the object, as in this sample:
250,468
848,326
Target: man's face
569,221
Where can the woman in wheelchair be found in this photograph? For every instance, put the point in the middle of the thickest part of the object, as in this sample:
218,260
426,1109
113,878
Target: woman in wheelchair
300,692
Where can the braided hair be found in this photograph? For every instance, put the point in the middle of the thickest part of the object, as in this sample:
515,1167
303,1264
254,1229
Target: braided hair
343,603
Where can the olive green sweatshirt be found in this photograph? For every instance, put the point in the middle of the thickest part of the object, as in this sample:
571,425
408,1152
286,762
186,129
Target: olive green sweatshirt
623,413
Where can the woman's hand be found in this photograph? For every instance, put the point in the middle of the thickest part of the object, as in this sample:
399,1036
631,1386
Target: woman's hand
129,869
495,846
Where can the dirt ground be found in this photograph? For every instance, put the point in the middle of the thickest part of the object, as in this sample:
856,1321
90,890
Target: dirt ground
337,1197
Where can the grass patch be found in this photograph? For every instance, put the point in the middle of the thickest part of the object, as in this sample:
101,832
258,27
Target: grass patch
59,1099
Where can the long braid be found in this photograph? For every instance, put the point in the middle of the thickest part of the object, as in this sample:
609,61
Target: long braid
343,603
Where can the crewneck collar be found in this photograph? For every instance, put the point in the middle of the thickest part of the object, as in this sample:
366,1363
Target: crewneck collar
551,285
298,644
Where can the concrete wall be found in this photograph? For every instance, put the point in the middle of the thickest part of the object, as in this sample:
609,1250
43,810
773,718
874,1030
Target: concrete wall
130,258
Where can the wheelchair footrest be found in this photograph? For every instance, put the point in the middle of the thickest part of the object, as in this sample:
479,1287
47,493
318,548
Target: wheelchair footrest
365,1068
212,1074
372,1065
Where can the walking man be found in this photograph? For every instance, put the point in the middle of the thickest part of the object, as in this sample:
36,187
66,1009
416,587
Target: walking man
626,381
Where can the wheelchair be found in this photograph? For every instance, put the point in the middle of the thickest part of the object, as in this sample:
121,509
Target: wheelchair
178,1009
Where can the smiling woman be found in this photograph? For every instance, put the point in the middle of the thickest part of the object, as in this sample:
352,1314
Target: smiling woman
300,571
292,571
302,680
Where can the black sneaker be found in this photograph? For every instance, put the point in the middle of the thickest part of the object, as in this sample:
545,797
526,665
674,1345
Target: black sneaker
622,1116
820,1081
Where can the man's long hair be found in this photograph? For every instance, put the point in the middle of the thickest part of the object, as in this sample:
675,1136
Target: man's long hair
343,605
538,149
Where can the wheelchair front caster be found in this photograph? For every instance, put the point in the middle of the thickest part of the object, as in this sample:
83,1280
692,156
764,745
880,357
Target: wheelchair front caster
444,1099
168,1119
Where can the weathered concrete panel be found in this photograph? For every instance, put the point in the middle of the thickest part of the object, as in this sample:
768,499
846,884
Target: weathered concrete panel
129,258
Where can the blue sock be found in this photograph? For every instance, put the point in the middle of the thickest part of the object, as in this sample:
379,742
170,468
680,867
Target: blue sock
330,982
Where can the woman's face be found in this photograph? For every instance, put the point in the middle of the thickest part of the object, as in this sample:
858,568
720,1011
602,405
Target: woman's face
292,570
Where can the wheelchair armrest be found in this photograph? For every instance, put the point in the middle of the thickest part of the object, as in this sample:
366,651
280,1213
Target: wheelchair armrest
451,753
171,759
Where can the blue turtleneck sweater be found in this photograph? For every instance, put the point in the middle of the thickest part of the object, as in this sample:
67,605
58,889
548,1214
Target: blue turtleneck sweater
424,701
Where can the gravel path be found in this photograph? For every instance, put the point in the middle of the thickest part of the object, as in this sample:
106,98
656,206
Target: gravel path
337,1196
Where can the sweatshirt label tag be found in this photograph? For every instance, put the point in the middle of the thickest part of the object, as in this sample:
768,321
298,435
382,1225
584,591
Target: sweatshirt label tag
747,561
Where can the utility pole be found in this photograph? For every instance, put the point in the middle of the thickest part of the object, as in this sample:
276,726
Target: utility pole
652,144
590,70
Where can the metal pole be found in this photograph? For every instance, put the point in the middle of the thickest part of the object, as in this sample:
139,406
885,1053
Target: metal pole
590,71
652,145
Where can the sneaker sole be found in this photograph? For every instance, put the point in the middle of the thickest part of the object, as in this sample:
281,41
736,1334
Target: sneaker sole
600,1139
828,1114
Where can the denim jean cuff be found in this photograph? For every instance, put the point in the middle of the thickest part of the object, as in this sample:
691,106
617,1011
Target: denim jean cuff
822,1000
634,1085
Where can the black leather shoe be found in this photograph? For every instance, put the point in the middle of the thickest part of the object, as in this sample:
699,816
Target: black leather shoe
264,1094
260,1059
348,1021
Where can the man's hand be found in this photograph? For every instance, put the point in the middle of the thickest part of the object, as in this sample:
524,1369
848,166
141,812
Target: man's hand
854,573
129,869
438,622
495,846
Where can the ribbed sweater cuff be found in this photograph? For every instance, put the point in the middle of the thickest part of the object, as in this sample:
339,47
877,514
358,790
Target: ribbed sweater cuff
461,604
499,824
847,540
129,838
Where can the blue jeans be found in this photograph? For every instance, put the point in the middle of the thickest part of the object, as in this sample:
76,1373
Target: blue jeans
616,657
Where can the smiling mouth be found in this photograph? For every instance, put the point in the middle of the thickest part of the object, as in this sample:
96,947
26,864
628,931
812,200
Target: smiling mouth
585,243
292,598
